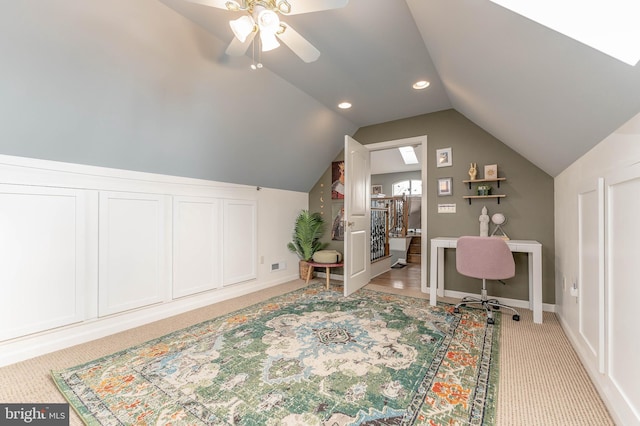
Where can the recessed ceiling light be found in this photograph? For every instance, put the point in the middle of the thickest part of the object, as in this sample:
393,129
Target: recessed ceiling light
422,84
344,105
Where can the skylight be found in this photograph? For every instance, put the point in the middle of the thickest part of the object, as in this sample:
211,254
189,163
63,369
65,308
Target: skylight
408,155
609,26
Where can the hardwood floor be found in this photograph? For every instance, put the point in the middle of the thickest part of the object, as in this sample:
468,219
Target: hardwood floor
403,278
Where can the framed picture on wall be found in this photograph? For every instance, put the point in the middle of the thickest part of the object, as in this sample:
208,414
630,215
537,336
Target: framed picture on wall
337,225
443,157
376,189
445,186
491,171
337,180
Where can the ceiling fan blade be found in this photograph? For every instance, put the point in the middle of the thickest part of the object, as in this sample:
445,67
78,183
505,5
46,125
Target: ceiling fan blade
220,4
298,44
237,48
306,6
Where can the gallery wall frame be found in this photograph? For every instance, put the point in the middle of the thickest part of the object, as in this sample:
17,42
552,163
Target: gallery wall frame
444,157
445,186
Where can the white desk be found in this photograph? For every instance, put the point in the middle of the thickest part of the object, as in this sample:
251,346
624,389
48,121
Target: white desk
533,248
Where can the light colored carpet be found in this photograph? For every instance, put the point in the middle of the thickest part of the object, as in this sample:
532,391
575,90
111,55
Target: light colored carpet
541,379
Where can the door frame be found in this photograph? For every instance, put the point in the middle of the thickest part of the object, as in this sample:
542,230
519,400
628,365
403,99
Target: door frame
422,141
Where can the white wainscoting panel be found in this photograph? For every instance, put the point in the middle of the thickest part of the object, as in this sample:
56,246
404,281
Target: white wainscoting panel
588,275
42,252
132,263
240,241
623,284
196,245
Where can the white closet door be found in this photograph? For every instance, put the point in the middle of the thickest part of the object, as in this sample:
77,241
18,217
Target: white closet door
133,270
196,245
42,258
240,241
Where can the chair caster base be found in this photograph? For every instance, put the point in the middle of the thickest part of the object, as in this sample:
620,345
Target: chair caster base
490,321
516,317
456,310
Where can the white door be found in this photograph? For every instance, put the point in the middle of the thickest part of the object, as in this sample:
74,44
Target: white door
357,208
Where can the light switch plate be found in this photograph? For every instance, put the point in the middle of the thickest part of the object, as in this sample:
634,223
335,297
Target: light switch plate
446,208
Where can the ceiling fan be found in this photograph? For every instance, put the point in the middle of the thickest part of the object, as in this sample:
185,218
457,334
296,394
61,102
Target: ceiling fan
262,17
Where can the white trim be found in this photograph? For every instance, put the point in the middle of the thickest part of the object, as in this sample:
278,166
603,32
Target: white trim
615,403
422,140
26,347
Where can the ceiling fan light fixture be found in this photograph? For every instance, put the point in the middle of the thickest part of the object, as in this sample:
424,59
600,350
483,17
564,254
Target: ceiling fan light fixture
422,84
268,21
233,5
242,27
284,6
268,41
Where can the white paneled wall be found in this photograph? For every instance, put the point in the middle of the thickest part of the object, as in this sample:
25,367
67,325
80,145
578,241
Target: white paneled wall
197,248
240,241
597,205
42,258
88,251
133,262
623,295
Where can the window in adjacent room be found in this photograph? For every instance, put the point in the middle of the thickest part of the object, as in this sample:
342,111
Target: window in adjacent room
407,187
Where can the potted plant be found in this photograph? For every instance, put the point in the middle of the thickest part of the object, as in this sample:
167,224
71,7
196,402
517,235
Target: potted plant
484,189
308,230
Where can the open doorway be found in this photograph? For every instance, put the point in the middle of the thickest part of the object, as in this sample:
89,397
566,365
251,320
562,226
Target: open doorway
392,178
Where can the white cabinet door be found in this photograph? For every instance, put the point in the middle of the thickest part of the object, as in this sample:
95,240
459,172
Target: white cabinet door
196,245
133,269
240,241
42,258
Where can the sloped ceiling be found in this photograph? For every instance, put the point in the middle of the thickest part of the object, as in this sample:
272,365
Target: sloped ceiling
545,95
145,85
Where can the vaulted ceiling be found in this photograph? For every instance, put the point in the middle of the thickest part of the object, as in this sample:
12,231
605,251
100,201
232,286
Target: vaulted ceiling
146,85
545,95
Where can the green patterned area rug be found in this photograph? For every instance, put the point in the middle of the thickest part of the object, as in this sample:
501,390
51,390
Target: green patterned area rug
309,357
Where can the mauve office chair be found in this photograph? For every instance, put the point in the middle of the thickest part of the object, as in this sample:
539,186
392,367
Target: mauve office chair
487,258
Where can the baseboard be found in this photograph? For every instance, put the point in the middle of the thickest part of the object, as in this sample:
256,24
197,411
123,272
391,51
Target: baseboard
34,345
620,411
516,303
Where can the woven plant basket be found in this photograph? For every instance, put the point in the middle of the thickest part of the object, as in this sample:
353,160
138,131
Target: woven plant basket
304,269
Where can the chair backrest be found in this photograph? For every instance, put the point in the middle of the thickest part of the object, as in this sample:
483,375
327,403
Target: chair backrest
484,257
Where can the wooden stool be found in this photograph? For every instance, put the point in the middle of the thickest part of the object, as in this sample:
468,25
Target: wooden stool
327,267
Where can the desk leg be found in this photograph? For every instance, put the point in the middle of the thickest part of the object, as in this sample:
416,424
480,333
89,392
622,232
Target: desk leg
433,274
535,282
440,271
328,273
